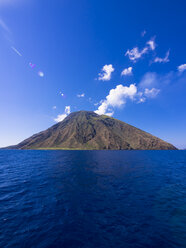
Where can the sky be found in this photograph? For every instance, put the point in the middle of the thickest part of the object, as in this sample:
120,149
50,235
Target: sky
125,59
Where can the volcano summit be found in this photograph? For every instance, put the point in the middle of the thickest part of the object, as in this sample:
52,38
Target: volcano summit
85,130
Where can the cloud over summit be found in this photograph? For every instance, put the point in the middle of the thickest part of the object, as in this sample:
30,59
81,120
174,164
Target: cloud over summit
61,117
116,98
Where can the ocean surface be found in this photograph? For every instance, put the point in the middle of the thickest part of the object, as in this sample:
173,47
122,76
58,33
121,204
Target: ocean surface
93,199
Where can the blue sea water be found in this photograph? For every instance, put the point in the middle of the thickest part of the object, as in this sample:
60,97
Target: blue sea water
93,199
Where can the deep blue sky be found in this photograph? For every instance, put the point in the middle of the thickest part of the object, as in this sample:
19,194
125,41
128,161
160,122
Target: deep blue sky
70,41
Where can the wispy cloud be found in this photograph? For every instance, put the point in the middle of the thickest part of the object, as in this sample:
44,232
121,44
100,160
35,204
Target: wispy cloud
181,68
81,95
61,117
163,60
105,75
154,80
4,26
16,51
143,33
135,53
152,43
151,93
54,107
127,71
152,83
149,80
149,86
141,97
116,98
67,110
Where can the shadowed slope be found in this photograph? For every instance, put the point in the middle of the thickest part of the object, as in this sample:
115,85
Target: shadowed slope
87,130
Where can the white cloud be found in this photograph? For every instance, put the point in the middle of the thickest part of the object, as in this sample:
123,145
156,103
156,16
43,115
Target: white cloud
54,107
152,93
151,44
152,83
81,95
163,60
182,67
67,110
149,87
61,117
110,114
127,71
149,80
135,54
116,98
105,75
141,98
154,80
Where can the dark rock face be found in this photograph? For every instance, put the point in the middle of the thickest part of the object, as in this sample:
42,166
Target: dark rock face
87,130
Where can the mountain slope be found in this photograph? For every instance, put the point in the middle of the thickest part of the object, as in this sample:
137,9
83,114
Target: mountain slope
87,130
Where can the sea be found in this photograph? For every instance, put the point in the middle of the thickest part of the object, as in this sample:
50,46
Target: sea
92,199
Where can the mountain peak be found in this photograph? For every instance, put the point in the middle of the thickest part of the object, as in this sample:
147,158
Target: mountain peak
87,130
